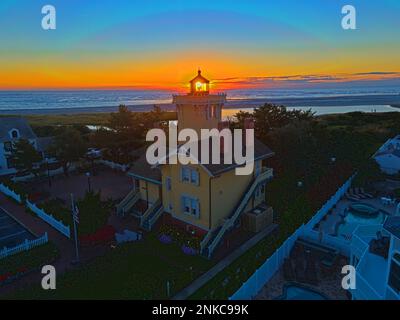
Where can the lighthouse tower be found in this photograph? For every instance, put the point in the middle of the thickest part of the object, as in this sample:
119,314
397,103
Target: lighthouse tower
199,109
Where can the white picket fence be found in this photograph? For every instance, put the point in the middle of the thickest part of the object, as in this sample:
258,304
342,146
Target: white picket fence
10,193
253,285
58,225
25,246
329,204
113,165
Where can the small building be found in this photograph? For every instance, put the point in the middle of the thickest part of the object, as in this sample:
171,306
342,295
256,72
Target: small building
206,200
13,129
388,156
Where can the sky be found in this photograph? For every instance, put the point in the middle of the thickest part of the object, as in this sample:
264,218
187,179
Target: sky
161,44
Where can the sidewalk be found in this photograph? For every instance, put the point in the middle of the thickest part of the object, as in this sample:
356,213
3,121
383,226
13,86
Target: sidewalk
202,280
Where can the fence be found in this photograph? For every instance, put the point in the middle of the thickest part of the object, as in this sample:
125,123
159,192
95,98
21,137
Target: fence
330,203
113,165
25,246
262,275
58,225
10,193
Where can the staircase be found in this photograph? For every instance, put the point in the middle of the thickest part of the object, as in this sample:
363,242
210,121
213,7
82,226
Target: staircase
151,215
128,202
213,237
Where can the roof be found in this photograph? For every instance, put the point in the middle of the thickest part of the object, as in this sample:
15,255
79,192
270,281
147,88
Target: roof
394,152
392,225
9,123
141,169
200,78
261,151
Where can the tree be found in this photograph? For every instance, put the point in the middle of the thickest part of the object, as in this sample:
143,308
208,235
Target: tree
24,156
368,173
68,147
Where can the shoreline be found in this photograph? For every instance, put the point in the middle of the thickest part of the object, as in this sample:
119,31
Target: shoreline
343,101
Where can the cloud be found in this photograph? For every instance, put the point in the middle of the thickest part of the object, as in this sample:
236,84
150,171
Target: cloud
306,80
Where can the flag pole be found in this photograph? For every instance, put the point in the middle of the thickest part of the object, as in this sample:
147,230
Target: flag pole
75,229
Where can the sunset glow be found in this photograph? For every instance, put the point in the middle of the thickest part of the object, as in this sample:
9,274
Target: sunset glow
158,46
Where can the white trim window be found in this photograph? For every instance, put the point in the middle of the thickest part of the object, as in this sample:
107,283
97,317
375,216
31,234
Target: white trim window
190,206
190,175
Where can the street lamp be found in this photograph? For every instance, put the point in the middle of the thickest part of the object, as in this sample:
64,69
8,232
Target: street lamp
88,176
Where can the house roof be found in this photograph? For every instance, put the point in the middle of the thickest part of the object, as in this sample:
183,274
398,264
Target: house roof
142,169
9,123
261,151
392,225
394,152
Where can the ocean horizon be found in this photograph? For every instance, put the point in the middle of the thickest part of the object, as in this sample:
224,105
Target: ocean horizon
378,99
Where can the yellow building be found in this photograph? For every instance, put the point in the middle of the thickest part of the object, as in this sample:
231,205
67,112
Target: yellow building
207,200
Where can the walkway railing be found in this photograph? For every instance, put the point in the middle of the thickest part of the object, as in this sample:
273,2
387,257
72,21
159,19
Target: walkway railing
266,174
8,192
58,225
25,246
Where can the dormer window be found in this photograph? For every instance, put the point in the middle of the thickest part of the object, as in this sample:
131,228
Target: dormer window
14,134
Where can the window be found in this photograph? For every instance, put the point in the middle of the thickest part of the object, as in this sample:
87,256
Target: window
185,174
7,146
14,134
190,206
194,177
190,175
168,183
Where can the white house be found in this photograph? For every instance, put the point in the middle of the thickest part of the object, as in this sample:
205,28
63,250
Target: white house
377,262
11,130
388,156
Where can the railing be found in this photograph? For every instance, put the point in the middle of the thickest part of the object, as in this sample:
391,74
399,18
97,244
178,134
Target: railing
10,193
25,246
124,202
114,165
148,211
155,217
265,174
58,225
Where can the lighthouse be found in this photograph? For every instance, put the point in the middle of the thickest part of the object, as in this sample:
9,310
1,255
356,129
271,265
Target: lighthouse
198,109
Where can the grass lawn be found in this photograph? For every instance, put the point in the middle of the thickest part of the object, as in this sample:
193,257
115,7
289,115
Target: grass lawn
131,271
33,258
100,118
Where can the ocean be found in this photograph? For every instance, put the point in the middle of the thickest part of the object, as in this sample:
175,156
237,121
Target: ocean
321,101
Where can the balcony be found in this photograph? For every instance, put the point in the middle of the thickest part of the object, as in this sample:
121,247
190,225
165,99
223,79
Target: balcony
372,268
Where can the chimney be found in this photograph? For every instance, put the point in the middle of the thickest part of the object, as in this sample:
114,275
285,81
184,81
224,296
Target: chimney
222,125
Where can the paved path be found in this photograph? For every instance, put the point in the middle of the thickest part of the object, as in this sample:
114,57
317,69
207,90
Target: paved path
38,227
202,280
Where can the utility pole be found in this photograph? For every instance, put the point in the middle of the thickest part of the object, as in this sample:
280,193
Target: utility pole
75,218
